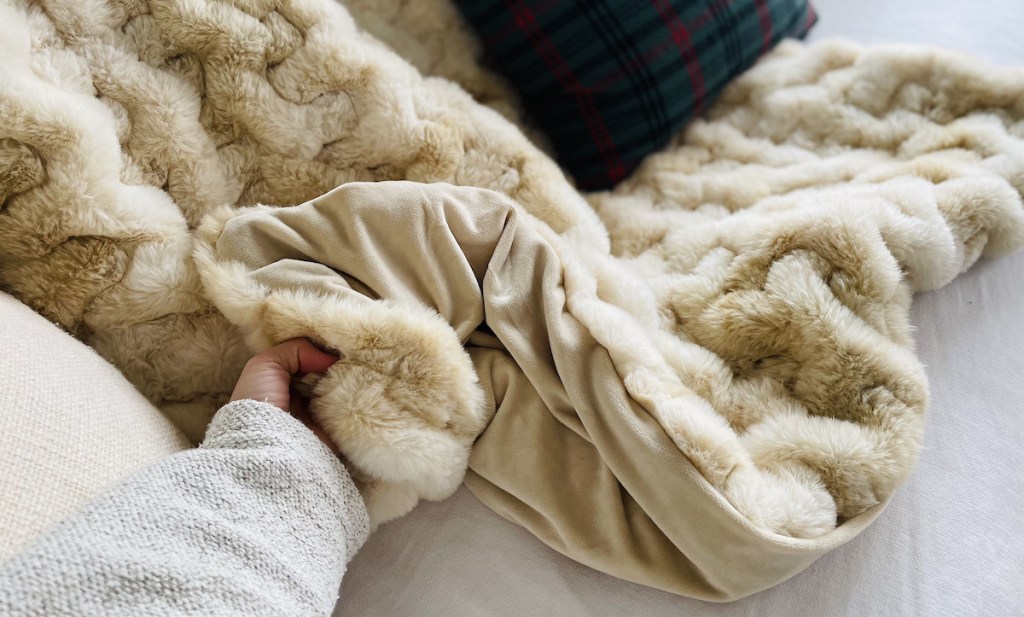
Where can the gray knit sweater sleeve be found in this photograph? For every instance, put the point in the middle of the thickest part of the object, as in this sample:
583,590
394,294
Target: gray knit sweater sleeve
259,520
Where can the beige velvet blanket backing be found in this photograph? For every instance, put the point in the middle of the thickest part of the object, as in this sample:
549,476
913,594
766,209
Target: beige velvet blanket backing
700,381
573,447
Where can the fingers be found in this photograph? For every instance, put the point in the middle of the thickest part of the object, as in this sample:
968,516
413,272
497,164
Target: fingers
298,355
268,377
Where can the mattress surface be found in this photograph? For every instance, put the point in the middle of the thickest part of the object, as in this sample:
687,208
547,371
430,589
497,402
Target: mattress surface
951,541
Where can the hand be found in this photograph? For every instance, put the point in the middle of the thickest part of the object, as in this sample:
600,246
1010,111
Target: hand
267,377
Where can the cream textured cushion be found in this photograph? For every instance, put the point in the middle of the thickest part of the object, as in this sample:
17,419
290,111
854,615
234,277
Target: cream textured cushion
70,426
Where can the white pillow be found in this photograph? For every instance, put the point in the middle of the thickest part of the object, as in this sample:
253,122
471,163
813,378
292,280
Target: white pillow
70,426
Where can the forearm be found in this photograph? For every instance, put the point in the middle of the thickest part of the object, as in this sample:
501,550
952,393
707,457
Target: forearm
260,520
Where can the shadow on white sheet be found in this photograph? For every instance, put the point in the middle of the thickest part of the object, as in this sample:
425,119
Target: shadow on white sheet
950,544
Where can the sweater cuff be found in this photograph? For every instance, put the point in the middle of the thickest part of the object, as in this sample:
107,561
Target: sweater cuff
249,424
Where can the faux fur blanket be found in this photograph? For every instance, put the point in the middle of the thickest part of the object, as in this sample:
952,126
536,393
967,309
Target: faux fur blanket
734,390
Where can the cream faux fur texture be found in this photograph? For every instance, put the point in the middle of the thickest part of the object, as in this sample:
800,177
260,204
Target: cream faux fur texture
751,282
403,402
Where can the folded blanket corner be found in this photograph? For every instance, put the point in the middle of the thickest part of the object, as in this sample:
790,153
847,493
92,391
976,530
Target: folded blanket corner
701,380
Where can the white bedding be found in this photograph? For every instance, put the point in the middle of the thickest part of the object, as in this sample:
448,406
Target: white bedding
951,542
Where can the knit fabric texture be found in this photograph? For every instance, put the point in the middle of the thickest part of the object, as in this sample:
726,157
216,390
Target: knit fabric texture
260,520
750,283
71,428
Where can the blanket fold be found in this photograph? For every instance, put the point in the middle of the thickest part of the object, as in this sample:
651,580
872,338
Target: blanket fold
591,440
700,380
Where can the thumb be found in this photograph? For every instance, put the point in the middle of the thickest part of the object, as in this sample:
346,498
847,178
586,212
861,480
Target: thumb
298,355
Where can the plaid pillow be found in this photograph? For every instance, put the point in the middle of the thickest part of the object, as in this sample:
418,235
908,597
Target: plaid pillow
610,81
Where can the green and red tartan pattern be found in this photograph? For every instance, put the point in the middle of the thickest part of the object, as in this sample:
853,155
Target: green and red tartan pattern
611,81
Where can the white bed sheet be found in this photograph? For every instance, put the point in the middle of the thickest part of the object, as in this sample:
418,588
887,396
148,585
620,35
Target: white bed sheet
952,540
